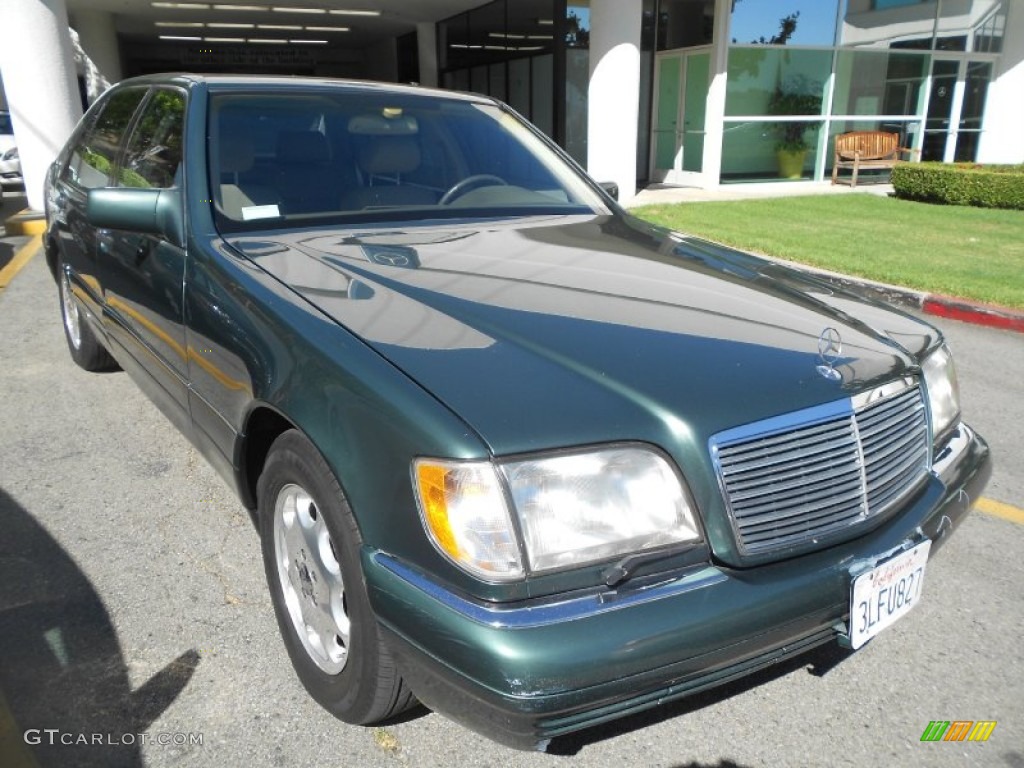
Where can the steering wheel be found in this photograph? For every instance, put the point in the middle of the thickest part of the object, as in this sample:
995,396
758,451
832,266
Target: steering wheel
462,187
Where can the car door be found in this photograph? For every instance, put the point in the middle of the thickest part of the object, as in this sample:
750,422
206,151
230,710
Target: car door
90,165
143,274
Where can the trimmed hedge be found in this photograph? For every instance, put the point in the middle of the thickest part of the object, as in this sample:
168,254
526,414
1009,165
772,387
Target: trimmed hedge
984,186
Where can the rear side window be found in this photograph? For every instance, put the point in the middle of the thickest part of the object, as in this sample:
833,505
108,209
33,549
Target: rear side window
92,159
153,154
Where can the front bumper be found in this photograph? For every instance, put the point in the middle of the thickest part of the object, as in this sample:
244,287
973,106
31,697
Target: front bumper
527,673
10,173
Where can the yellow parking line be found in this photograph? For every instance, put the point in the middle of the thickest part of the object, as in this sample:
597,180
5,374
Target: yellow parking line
21,258
998,509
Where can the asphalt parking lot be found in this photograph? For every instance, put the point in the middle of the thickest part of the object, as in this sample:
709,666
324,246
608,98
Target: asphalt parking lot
132,603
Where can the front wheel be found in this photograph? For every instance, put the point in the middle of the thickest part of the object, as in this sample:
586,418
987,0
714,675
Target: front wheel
311,555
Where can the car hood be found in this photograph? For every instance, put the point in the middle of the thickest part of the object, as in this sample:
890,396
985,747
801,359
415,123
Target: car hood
554,332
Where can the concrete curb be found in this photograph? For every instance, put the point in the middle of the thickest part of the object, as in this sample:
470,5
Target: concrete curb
979,314
22,257
27,222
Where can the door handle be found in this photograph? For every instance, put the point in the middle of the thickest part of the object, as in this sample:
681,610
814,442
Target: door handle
142,252
103,239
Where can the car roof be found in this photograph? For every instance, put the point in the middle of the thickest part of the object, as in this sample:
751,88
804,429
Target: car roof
247,82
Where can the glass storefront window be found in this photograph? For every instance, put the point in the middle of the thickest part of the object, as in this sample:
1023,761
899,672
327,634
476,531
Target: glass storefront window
776,81
795,22
478,79
950,25
519,85
906,129
749,153
870,82
880,4
988,33
970,26
888,24
685,23
453,42
647,42
487,37
542,77
975,92
577,78
503,49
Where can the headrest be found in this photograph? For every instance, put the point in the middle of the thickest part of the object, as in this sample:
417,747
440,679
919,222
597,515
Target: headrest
237,154
390,154
302,147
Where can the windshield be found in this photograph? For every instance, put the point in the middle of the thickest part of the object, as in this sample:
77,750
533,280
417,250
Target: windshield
281,159
5,124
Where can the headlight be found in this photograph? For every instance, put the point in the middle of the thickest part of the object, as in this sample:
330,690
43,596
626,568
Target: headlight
571,509
943,389
10,154
464,510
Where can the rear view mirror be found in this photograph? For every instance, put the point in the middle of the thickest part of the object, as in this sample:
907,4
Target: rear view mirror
147,211
611,188
388,122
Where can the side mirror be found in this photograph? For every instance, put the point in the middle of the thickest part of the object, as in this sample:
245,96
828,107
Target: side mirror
610,187
147,211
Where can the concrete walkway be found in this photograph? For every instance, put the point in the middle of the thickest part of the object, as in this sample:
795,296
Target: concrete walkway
667,193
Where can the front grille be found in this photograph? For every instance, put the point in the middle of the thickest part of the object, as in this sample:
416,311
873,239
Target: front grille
808,475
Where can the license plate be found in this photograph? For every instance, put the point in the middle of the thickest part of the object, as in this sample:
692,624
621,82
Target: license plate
886,593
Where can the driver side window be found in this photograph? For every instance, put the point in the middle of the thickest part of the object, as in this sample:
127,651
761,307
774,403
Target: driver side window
92,160
153,155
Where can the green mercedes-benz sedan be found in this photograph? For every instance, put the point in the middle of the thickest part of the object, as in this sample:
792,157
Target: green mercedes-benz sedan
512,452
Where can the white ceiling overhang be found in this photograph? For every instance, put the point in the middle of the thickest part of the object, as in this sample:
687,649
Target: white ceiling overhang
365,21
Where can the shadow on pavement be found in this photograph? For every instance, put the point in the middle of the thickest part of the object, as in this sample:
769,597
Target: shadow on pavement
6,254
62,668
10,204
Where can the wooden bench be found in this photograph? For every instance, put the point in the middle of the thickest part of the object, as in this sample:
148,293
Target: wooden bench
864,151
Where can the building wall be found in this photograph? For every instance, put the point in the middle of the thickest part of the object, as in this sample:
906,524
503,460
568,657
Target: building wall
1004,115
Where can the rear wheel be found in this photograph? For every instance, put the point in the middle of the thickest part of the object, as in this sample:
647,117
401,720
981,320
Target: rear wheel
311,555
86,350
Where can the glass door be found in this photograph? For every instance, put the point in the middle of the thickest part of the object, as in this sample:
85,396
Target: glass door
665,138
977,77
681,90
956,106
940,109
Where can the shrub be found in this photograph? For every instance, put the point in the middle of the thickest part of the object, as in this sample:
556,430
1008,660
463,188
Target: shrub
985,186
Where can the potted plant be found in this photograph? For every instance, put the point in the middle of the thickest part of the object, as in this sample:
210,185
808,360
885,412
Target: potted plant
791,145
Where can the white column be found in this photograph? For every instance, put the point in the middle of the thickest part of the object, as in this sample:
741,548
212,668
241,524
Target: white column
1004,107
39,79
426,39
714,114
99,40
614,92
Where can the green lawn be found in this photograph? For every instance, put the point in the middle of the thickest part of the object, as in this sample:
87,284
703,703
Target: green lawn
972,253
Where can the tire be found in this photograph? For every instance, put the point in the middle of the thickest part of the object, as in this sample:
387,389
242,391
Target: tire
86,350
311,546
